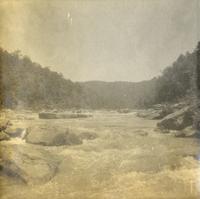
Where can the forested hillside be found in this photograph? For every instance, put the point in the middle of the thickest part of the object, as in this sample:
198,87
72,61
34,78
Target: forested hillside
25,83
177,80
29,85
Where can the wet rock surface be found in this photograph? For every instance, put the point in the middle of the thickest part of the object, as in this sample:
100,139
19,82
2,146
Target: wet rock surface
27,163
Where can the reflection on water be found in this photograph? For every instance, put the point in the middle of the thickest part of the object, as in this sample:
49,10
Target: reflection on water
128,159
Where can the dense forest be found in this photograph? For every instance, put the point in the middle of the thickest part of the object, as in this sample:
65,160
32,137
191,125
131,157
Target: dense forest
27,84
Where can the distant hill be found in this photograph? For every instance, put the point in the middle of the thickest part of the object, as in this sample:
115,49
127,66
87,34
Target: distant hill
176,82
119,94
27,84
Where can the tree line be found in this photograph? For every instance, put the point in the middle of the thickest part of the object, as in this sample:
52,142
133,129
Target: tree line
24,83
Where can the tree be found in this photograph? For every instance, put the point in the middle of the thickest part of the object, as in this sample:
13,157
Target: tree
197,115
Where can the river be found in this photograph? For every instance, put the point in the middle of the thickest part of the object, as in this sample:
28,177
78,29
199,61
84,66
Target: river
129,159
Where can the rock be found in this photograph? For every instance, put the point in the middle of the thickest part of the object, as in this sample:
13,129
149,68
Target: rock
4,124
187,132
179,105
4,136
157,112
46,115
177,120
66,138
77,111
166,110
141,132
157,106
71,115
149,114
124,110
14,132
27,163
49,135
88,136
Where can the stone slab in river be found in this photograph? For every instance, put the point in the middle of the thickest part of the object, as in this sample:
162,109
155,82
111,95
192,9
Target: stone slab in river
46,115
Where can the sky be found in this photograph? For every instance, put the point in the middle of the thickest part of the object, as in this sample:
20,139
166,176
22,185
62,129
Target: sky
108,40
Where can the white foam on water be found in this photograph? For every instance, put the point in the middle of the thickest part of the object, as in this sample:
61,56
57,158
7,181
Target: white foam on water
120,164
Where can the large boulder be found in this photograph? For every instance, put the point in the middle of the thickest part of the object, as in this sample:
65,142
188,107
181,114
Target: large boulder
177,120
50,135
27,163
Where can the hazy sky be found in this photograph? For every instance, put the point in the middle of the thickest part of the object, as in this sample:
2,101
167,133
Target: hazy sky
109,40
